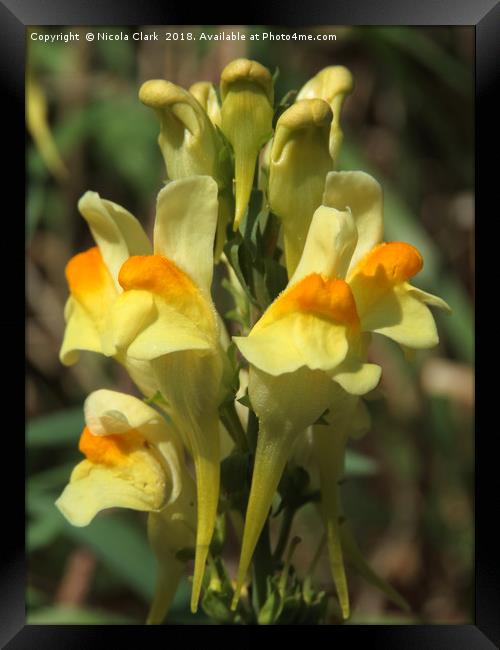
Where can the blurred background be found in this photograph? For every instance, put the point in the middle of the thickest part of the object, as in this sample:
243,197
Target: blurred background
409,487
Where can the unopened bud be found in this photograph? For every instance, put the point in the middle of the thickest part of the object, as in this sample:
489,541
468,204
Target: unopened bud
188,139
246,121
206,95
332,84
300,161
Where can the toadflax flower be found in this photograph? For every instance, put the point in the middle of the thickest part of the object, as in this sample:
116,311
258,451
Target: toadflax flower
92,278
134,459
154,314
346,285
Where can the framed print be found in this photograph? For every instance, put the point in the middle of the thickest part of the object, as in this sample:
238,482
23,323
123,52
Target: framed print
250,322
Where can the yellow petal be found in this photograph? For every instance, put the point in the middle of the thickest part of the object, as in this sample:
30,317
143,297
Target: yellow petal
362,195
186,219
329,246
294,341
117,233
171,288
111,412
356,377
131,312
428,298
312,320
86,312
80,333
169,332
403,318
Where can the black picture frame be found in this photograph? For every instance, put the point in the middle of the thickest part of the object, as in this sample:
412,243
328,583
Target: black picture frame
15,15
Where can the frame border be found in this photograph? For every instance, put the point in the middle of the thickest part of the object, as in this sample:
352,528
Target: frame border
15,15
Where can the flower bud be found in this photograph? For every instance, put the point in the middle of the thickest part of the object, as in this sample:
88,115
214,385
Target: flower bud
205,94
188,140
331,84
246,121
300,161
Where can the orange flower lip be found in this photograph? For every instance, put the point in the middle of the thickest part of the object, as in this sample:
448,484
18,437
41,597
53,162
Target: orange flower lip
396,261
329,298
157,274
110,450
86,273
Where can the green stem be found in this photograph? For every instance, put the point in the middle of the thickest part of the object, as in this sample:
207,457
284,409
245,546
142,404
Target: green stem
271,234
286,526
288,560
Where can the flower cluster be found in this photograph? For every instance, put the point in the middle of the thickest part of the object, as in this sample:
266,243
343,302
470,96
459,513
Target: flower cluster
304,331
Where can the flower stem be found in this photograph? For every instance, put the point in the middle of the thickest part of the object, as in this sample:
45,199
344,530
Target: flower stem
286,526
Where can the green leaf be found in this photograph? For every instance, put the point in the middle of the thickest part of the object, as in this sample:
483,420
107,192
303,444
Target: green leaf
42,531
273,606
61,428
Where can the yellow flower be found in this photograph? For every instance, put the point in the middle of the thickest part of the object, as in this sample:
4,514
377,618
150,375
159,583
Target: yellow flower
246,120
332,84
318,329
154,314
92,277
299,162
134,460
